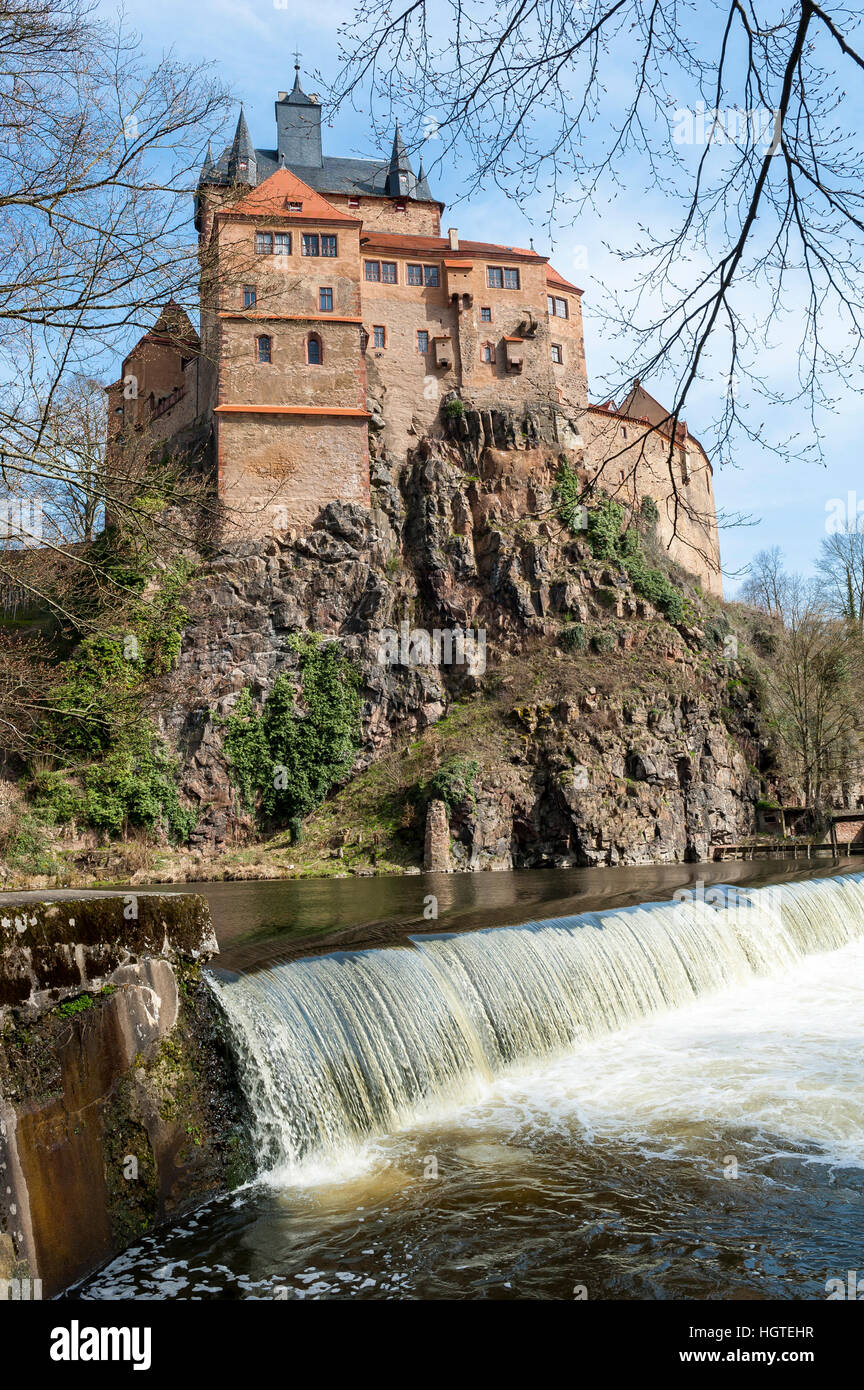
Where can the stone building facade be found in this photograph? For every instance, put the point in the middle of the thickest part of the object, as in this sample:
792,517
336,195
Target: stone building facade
328,292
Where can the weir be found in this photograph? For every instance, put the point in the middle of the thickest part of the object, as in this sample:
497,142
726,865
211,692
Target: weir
348,1046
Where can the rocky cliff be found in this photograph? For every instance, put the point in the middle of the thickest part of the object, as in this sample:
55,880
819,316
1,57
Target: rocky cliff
602,732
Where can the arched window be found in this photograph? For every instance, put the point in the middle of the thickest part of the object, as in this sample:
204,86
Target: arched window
264,345
314,350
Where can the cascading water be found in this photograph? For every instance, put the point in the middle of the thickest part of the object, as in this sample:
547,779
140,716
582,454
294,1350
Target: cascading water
343,1047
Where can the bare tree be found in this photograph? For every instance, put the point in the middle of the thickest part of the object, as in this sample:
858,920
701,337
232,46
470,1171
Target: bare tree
737,114
841,575
767,585
99,156
815,694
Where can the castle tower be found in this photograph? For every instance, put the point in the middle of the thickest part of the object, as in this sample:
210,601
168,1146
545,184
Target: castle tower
298,128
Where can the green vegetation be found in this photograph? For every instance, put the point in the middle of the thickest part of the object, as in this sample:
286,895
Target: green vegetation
284,758
573,638
568,497
78,1005
612,544
453,783
112,770
454,410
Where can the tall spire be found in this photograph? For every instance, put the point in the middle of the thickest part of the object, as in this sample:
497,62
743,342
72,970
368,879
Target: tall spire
423,191
207,168
401,181
297,96
242,161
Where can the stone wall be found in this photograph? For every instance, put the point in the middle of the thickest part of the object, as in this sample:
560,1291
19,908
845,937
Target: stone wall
119,1107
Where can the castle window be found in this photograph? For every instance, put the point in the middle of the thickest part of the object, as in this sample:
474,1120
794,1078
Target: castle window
314,350
431,275
487,352
264,243
550,304
353,202
485,315
400,207
422,340
325,300
415,274
557,353
385,271
315,245
557,307
502,278
250,298
379,335
293,207
623,431
264,344
283,244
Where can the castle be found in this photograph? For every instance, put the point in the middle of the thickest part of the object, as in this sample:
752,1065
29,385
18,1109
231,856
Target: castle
327,287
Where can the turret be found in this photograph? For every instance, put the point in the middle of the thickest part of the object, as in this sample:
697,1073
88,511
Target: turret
298,128
242,161
401,180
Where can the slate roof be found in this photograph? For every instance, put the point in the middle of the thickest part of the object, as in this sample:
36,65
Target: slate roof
355,177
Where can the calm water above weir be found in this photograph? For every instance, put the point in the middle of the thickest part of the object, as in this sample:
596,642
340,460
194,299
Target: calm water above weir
665,1102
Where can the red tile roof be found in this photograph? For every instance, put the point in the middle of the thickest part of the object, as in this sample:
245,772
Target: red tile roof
271,199
407,242
553,277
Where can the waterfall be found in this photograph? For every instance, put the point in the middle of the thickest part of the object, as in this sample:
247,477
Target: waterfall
341,1047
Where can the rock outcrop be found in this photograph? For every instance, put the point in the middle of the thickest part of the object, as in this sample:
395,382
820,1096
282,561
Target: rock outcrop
628,739
118,1103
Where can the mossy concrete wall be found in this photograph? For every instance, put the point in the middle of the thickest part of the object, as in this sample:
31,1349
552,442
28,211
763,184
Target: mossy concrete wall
119,1105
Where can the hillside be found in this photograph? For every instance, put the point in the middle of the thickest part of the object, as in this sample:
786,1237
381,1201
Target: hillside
612,716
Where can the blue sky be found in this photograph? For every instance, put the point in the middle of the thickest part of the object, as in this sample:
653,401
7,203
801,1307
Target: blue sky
253,42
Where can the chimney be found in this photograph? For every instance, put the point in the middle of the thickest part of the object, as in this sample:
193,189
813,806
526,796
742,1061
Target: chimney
453,234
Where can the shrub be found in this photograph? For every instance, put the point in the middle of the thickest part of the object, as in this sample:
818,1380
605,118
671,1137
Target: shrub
453,783
604,530
568,497
54,799
573,638
454,410
604,641
284,758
